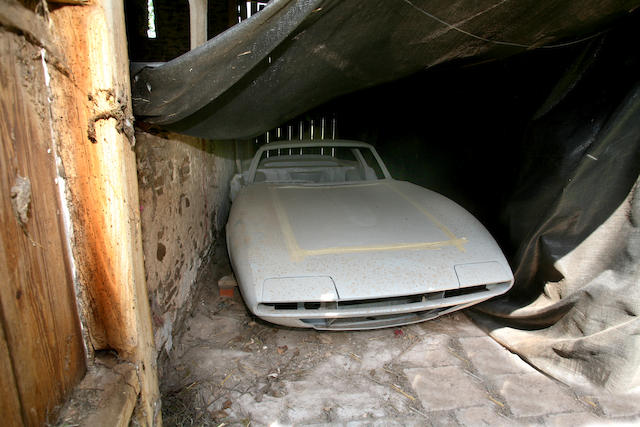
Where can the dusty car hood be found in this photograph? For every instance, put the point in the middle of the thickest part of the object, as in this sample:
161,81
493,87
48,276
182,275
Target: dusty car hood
378,239
355,218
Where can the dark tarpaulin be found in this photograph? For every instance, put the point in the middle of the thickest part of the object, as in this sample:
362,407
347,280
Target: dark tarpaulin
575,219
295,55
543,148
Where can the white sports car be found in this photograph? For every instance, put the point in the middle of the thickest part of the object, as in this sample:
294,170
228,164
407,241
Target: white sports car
320,236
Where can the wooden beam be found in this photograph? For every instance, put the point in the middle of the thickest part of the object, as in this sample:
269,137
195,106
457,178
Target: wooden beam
95,127
105,397
18,19
197,22
9,401
37,302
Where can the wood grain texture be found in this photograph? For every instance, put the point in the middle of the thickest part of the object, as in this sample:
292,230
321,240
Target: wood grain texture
39,316
9,402
96,172
112,406
95,124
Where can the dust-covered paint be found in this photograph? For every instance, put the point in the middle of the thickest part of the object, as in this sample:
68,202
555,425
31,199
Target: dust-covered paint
370,238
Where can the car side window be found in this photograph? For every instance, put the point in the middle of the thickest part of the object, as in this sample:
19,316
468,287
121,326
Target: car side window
371,165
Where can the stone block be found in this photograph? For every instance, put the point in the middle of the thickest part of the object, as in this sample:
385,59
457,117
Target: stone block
490,358
431,351
573,419
533,394
621,405
482,416
446,388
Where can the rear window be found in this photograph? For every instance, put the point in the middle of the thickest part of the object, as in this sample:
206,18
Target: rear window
340,153
318,165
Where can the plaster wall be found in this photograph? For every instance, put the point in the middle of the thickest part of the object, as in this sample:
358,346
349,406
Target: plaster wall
184,203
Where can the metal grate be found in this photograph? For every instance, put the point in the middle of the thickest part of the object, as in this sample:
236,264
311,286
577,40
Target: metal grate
246,9
363,303
320,128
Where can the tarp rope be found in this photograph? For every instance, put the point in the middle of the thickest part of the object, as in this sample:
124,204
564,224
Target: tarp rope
499,42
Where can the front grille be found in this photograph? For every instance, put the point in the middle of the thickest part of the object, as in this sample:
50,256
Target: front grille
285,306
464,291
362,303
405,303
373,313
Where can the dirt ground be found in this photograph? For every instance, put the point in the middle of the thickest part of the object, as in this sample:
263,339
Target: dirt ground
229,368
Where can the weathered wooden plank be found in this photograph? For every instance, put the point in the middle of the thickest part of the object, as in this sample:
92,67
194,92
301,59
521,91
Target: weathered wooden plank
16,18
95,127
39,316
88,113
197,22
105,397
9,402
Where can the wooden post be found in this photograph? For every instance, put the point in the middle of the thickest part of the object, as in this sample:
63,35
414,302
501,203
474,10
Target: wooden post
232,13
94,124
41,347
197,22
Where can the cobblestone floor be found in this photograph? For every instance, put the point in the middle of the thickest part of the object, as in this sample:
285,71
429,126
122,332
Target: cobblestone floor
231,368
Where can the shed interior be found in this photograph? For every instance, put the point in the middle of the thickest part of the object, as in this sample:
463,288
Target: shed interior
541,144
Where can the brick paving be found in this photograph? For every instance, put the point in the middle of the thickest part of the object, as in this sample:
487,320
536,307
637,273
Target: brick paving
236,370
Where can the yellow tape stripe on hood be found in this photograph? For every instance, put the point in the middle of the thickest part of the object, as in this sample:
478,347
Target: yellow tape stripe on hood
298,254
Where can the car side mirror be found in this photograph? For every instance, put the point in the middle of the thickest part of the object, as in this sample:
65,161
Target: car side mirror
237,183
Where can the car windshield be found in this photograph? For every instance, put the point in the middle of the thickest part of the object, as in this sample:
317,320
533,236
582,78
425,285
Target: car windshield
318,164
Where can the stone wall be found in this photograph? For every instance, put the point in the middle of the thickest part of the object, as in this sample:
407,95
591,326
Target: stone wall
184,203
